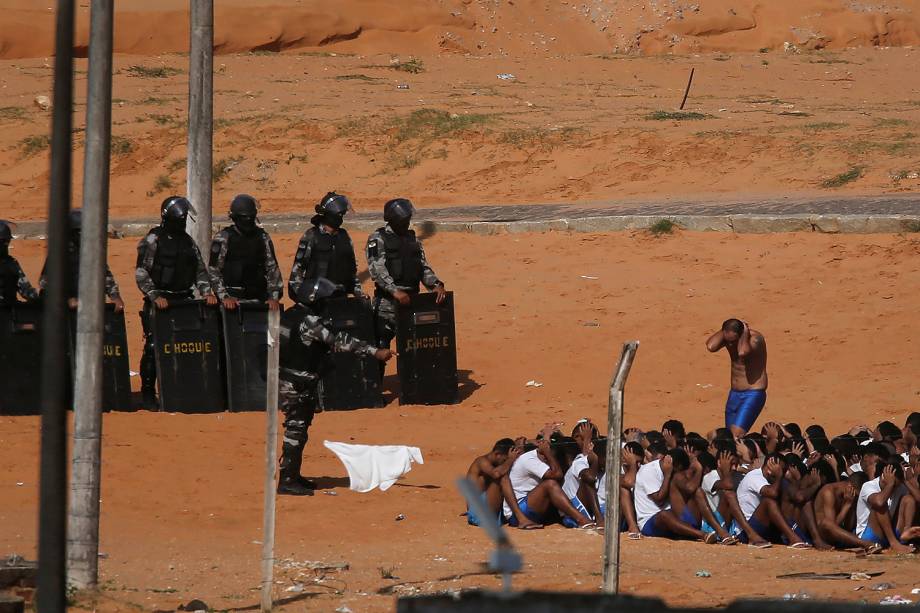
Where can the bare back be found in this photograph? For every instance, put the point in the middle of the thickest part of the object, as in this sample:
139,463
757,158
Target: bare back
749,372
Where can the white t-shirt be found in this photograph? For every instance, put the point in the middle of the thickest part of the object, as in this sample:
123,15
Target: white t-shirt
712,497
602,489
649,480
749,491
526,474
572,476
869,488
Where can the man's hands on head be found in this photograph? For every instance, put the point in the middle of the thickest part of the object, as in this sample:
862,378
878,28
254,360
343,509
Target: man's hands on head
667,464
725,464
887,477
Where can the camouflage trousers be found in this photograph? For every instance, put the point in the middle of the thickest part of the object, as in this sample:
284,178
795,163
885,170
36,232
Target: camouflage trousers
384,320
298,402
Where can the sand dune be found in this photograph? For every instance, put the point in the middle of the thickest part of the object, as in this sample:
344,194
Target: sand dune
482,27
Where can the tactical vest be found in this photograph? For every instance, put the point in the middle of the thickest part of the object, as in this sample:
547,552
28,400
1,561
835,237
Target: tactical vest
403,258
294,354
175,265
244,265
332,257
9,280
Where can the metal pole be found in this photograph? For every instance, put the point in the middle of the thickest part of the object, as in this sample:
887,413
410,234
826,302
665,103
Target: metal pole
52,527
83,524
271,458
612,469
200,120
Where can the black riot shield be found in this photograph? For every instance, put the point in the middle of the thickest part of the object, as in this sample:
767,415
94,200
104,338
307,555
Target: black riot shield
426,344
246,355
187,348
350,381
116,370
20,359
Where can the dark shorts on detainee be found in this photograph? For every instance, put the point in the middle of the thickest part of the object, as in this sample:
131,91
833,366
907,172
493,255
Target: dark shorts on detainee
743,407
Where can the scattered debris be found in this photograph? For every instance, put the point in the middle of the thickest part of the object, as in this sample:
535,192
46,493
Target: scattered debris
343,609
533,383
43,102
589,277
797,596
402,86
330,493
896,599
400,517
194,605
703,573
881,587
297,588
506,76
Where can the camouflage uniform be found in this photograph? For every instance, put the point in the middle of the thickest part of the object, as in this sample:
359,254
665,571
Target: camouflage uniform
73,276
162,273
13,281
256,277
303,351
340,268
382,273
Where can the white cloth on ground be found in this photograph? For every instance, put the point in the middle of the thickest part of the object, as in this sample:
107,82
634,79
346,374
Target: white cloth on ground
372,466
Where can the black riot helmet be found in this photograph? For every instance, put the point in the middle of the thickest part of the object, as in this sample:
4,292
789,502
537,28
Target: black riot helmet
332,208
314,291
243,210
6,232
174,214
398,213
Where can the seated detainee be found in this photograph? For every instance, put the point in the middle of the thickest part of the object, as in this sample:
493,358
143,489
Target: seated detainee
800,486
759,496
532,492
632,458
486,472
580,482
652,499
689,503
835,512
874,511
674,433
727,465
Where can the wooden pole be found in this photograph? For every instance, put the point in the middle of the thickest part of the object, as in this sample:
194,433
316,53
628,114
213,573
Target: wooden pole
52,517
271,458
612,469
83,524
687,91
200,120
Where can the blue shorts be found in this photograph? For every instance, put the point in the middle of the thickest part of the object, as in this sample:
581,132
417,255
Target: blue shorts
773,535
624,527
651,528
870,535
528,513
706,528
687,517
567,521
743,407
474,520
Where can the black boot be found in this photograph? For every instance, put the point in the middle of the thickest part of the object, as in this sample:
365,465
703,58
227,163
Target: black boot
290,482
149,399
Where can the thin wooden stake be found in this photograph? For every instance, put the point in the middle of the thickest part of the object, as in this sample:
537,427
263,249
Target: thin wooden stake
687,91
271,458
612,469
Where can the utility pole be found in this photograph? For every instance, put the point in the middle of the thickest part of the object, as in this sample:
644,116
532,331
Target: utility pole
83,524
52,518
200,120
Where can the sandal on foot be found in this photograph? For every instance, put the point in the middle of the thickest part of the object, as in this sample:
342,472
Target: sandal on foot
711,539
799,545
760,545
634,536
729,540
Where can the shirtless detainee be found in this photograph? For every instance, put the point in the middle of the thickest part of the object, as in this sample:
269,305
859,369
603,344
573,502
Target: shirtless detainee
748,352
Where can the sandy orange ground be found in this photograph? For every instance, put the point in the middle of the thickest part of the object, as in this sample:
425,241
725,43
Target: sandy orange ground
182,497
569,128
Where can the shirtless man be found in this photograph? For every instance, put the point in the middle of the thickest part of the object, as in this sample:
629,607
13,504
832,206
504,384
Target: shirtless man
748,352
835,511
487,471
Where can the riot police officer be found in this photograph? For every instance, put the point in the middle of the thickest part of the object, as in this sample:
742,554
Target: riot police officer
169,267
326,250
398,266
243,265
72,272
13,280
304,348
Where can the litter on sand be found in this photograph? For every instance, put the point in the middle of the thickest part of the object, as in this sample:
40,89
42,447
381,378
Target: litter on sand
703,573
506,76
896,599
533,383
590,277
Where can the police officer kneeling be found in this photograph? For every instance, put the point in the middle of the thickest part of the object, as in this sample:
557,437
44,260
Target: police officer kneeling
169,267
304,348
